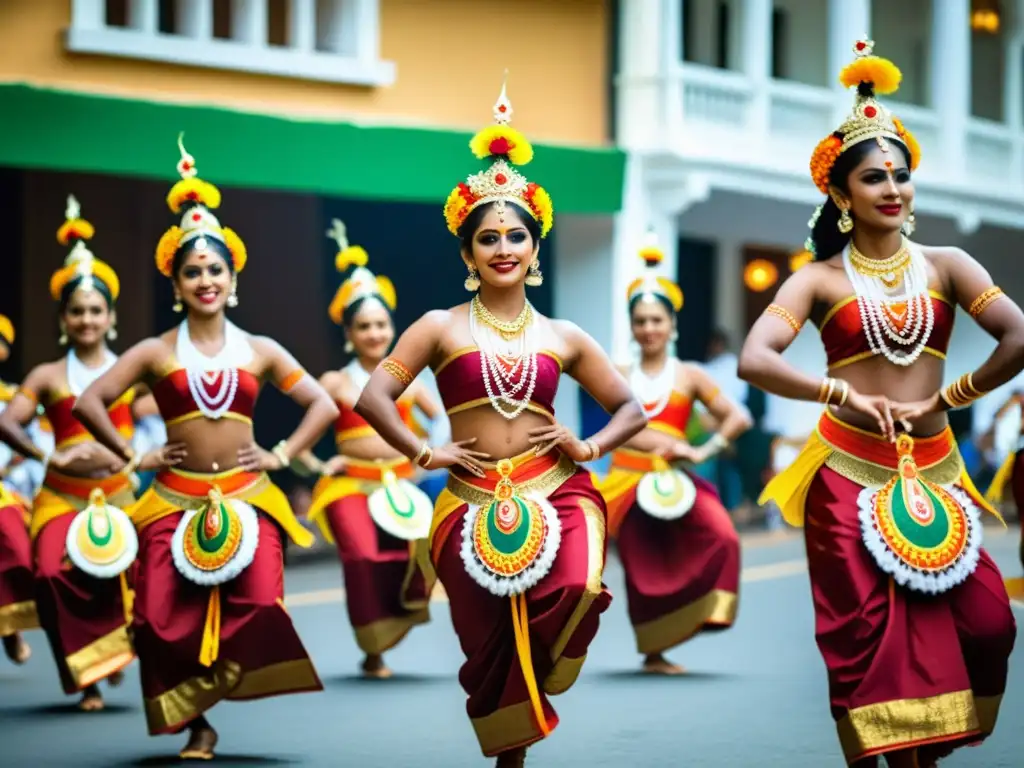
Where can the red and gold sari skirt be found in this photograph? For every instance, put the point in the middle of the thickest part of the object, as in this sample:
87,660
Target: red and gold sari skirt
682,576
85,618
508,677
241,628
905,669
388,580
17,594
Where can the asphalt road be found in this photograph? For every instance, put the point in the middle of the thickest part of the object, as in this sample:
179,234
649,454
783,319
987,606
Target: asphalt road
754,696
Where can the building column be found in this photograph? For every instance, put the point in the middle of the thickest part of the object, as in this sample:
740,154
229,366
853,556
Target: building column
951,79
848,21
642,84
1013,84
757,57
729,288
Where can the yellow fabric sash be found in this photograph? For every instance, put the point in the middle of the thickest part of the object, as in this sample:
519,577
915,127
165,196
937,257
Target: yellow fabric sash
159,501
997,489
789,488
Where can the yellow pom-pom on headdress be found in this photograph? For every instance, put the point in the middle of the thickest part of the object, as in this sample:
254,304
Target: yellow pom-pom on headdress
195,199
6,329
361,283
80,261
869,120
500,183
649,286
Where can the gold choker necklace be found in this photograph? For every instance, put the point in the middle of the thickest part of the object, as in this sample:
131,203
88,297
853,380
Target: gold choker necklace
507,330
889,271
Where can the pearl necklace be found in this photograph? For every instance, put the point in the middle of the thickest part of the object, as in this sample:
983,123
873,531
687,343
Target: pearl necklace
213,381
80,376
655,389
508,366
909,329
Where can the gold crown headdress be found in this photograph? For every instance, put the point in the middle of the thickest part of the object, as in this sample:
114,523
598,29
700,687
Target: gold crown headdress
80,261
195,199
869,119
362,282
6,329
501,182
649,285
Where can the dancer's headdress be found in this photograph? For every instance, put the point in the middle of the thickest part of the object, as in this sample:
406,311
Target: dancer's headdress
6,329
649,286
80,261
869,120
195,199
501,182
361,282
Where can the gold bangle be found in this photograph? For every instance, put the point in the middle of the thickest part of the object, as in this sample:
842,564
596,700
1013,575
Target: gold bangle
823,389
398,370
281,452
425,456
784,314
984,300
133,462
420,453
595,450
961,392
845,385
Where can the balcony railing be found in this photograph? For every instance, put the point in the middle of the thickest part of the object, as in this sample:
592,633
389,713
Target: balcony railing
716,115
328,40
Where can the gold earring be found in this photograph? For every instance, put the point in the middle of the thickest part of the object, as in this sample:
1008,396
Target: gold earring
845,224
349,348
472,283
910,224
63,340
176,306
233,296
112,334
534,276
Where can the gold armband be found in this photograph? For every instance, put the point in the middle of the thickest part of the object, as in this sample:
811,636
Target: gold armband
32,396
291,380
784,314
961,392
984,300
398,370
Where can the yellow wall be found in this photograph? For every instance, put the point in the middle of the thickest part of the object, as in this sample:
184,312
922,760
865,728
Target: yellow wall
450,55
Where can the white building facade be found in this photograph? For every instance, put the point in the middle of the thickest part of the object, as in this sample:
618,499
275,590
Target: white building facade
720,103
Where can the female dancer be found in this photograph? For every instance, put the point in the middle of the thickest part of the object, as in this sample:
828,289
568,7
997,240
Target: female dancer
17,603
388,575
912,676
1011,474
679,548
531,526
85,617
209,622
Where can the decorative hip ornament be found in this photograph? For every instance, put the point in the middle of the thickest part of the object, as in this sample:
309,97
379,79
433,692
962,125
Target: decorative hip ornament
401,509
101,539
666,493
897,322
215,543
926,536
510,545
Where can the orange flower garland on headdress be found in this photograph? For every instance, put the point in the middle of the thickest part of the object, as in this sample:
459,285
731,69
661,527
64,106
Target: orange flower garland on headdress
649,285
6,329
80,261
869,120
362,282
501,182
195,199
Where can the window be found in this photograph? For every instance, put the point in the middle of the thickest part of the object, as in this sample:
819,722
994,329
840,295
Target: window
330,40
780,43
722,31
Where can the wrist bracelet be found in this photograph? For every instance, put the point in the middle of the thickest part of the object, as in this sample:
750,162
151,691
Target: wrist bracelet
424,457
281,452
595,450
961,392
716,444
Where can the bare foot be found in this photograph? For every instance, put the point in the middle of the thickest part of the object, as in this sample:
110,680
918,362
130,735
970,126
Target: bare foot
201,742
16,648
115,679
512,758
374,667
92,700
656,664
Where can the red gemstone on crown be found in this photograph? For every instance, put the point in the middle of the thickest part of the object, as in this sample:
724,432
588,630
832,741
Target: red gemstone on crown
196,217
502,108
861,45
500,178
870,111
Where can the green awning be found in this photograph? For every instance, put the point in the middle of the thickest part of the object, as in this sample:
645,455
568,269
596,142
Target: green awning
49,129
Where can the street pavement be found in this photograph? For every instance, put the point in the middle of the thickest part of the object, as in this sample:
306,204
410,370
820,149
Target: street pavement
754,696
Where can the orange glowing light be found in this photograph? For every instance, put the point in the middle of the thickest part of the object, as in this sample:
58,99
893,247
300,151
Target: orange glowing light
760,275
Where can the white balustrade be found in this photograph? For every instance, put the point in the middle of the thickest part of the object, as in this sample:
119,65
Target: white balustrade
328,40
